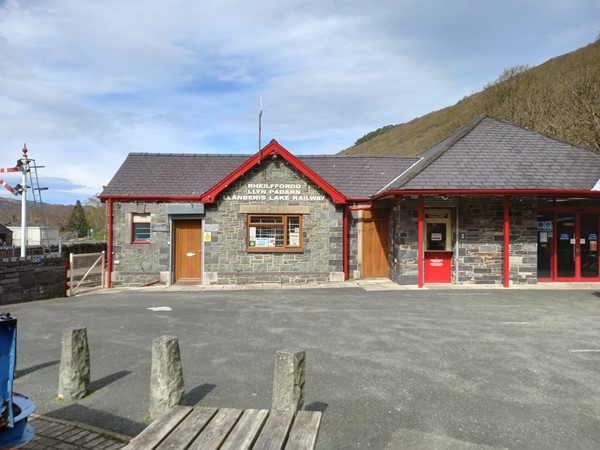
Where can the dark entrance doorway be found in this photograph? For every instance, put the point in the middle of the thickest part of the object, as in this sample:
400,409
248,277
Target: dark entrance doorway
568,245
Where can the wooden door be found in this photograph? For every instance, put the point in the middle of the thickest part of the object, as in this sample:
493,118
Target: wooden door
188,251
375,244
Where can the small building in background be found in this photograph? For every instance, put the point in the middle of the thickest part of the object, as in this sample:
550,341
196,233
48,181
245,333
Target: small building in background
36,235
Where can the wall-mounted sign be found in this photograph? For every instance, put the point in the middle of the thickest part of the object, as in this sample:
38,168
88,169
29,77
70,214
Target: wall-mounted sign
564,236
214,227
207,236
266,192
160,228
592,237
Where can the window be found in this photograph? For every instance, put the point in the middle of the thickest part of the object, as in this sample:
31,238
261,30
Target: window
141,229
274,232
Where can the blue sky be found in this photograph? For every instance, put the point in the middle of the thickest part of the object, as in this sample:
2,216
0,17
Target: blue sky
84,83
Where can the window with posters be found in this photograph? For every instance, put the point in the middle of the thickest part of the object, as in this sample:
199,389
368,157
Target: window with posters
274,232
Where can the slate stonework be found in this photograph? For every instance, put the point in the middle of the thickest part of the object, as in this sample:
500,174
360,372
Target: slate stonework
404,242
480,252
136,264
226,257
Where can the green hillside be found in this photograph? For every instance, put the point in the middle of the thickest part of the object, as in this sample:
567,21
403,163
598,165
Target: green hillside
560,98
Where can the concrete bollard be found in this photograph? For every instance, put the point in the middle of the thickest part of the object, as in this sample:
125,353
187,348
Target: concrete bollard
288,381
166,378
74,376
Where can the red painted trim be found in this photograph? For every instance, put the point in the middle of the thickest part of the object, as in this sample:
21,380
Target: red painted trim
109,260
273,148
506,251
420,204
155,198
346,242
554,192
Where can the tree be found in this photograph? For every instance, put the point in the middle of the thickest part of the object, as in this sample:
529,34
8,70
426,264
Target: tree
95,213
78,222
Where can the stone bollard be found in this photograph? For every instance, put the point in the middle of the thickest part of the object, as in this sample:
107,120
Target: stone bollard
288,382
74,376
166,378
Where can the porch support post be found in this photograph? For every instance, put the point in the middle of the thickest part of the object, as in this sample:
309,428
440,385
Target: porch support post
506,251
109,238
420,240
346,255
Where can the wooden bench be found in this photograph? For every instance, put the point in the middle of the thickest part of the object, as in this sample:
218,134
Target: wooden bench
194,428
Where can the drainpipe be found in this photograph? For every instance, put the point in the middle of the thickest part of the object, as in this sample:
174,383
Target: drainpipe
346,243
506,251
109,261
420,240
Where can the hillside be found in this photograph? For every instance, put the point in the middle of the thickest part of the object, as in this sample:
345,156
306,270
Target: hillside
52,215
560,98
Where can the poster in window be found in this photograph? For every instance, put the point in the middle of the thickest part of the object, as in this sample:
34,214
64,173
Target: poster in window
262,242
271,242
436,236
294,239
252,233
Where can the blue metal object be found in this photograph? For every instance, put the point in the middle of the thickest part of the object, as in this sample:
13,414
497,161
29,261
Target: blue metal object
14,408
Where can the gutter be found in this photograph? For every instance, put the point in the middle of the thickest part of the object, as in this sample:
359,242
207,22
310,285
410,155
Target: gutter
499,192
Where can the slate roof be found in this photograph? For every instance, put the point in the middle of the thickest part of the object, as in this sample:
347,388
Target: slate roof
187,175
485,154
490,154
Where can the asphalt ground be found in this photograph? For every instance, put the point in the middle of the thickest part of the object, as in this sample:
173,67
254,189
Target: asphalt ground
435,369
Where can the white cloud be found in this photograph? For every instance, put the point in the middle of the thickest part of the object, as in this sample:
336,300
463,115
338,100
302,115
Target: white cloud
84,83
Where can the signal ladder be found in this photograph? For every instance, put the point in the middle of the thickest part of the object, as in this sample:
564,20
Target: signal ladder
30,168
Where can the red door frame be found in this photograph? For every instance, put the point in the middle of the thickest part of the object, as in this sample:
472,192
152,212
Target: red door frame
577,211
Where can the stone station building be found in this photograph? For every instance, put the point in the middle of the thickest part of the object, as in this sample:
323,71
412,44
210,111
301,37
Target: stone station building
493,203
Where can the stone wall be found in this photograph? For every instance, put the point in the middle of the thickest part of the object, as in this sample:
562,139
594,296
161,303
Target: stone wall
404,242
137,264
523,240
29,279
481,222
65,249
481,243
354,245
226,257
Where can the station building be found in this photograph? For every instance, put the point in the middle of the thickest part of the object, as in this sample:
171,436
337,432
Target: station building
493,203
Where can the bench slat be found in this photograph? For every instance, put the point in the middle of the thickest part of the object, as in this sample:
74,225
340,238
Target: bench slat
275,431
305,431
217,430
187,430
158,430
246,430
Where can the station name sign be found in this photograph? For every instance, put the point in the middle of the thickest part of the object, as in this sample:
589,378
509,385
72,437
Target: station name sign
265,192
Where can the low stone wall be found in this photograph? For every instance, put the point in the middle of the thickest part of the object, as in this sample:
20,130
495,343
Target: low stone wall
38,276
65,249
32,278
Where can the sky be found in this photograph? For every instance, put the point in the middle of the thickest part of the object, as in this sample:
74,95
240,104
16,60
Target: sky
83,83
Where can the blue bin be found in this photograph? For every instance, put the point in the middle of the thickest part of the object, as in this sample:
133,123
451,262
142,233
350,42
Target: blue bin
14,408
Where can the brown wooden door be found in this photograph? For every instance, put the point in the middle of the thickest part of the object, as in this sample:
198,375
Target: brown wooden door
188,251
375,244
